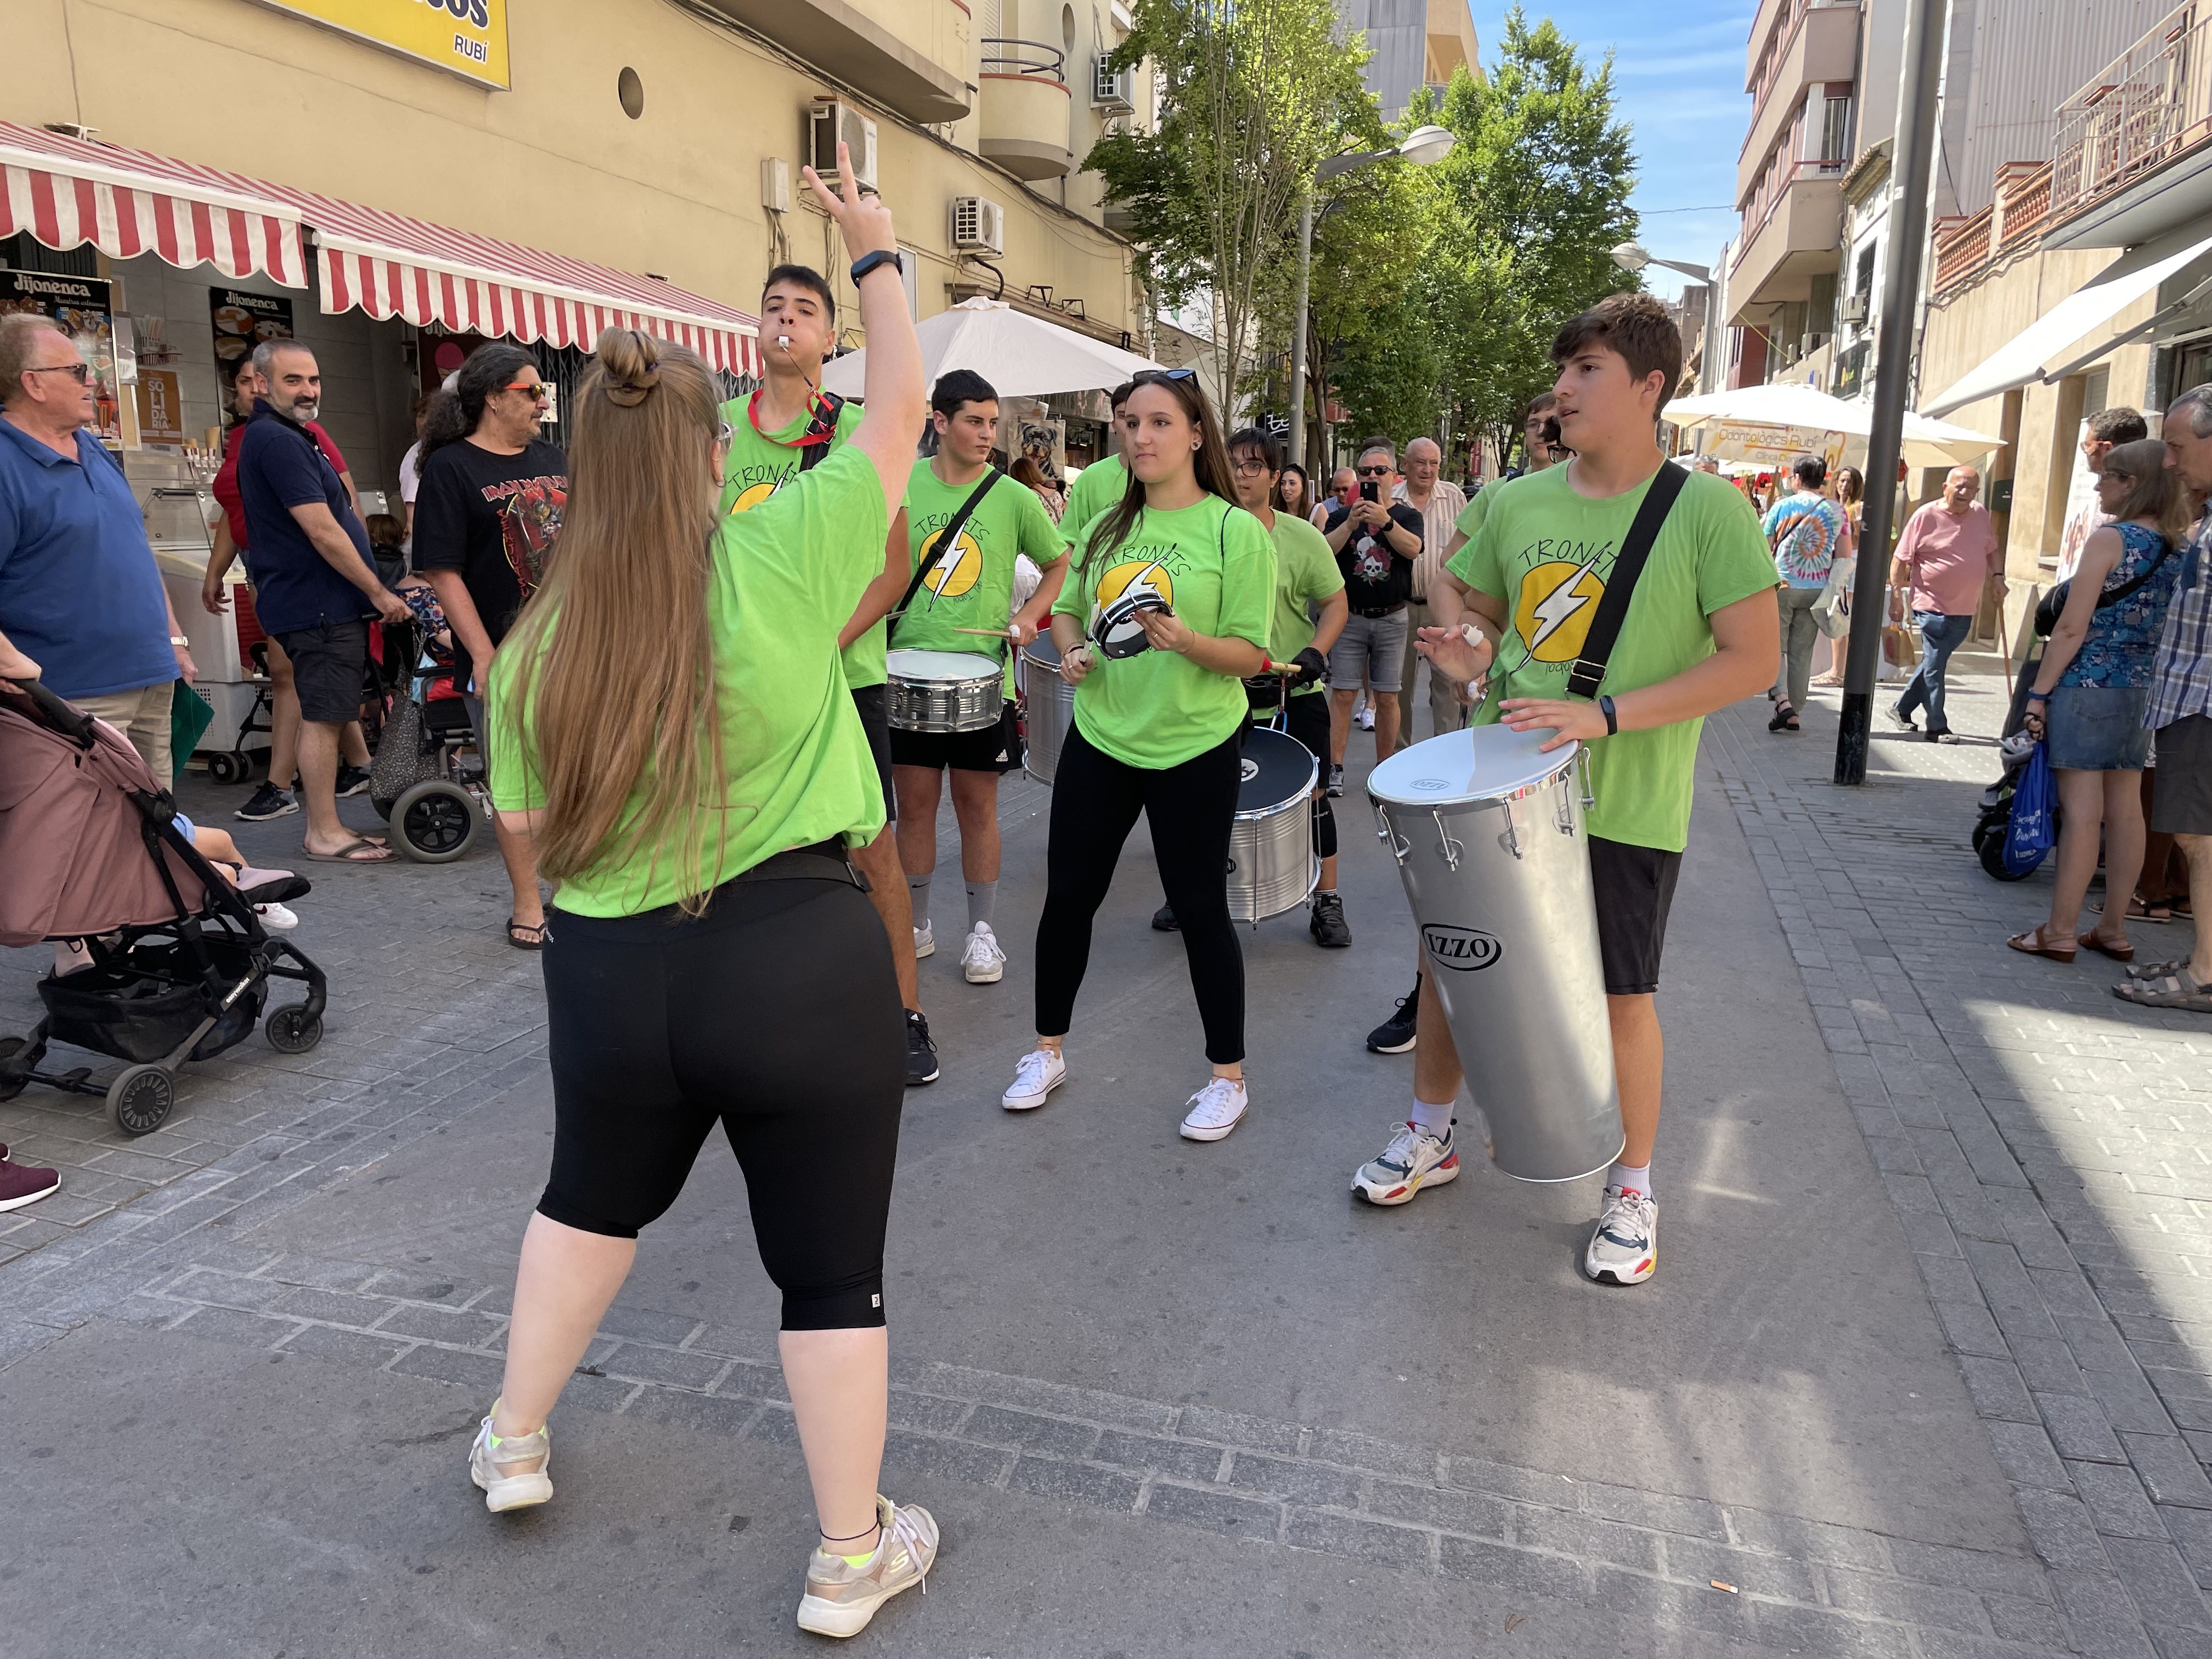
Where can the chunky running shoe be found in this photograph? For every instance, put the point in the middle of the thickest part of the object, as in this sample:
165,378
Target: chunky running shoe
515,1489
267,802
1326,923
841,1596
1336,780
352,780
983,962
921,1052
1041,1071
1624,1247
925,942
1394,1036
1215,1110
1414,1159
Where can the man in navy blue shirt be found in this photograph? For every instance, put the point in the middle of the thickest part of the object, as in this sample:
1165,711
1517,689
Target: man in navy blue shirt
82,604
315,588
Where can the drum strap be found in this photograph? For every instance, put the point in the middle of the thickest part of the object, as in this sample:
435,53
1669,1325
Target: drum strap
937,543
1588,671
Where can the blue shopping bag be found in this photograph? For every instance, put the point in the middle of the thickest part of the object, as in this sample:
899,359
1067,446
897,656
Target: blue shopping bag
2032,829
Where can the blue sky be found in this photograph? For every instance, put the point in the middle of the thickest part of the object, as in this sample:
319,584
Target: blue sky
1679,77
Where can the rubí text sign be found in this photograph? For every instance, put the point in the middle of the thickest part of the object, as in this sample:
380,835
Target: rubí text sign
467,38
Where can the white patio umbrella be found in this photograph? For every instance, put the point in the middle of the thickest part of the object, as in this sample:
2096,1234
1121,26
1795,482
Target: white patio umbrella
1927,441
1021,356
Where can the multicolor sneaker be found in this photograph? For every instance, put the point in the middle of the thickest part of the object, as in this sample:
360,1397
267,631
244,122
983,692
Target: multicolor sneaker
1414,1159
522,1489
842,1595
1624,1247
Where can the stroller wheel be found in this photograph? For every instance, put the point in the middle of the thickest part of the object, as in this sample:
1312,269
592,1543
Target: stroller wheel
293,1030
10,1048
435,822
1990,850
139,1099
223,766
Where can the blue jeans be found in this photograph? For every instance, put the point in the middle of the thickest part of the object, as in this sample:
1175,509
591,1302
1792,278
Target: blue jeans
1940,635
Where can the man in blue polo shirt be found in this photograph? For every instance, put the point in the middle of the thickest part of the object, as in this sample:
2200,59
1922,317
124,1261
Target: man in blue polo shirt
82,605
315,587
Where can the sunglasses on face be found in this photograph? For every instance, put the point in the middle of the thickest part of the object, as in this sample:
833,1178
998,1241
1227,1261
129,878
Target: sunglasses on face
76,372
537,390
1374,472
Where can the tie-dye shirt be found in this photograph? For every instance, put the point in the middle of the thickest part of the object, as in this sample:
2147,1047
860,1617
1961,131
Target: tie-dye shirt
1812,530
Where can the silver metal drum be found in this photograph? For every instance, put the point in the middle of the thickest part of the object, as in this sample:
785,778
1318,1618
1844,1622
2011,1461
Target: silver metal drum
1050,702
1489,839
945,690
1271,866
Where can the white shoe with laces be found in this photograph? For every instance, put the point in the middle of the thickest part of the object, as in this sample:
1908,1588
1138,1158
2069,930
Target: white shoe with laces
1215,1110
276,918
843,1596
925,942
1624,1245
492,1457
1042,1070
983,962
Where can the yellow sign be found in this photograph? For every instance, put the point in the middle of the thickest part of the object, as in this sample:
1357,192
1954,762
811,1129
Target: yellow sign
467,38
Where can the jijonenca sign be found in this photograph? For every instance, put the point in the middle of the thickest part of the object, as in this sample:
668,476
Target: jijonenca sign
467,38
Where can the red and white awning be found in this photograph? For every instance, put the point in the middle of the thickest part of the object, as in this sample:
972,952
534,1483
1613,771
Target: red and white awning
67,191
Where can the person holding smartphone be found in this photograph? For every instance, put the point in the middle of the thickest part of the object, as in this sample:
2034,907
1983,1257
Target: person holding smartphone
1375,540
1166,611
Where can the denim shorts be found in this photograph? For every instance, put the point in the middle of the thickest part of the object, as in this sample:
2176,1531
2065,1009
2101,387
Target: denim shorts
2098,728
1370,648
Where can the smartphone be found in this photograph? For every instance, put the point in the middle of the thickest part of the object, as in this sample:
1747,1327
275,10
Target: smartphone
1370,490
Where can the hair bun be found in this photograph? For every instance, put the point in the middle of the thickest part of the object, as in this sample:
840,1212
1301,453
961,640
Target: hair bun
631,360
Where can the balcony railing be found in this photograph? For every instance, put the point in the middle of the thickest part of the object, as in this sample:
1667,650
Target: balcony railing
2149,104
1030,59
1762,209
2023,204
1784,33
1962,247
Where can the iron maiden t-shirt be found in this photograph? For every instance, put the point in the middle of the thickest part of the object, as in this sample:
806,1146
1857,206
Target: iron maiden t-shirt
495,519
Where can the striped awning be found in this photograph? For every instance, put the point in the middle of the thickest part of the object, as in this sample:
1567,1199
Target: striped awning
67,191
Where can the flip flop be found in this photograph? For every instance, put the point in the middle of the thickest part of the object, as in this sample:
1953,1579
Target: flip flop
2089,941
2036,947
526,935
2175,990
352,851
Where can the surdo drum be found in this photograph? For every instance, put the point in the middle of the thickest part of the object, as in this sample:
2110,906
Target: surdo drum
1271,866
945,690
1049,705
1489,839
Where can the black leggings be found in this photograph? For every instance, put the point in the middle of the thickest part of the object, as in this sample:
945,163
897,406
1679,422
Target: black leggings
777,1013
1095,802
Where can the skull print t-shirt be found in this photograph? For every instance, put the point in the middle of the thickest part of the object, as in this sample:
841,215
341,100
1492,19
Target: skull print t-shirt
495,519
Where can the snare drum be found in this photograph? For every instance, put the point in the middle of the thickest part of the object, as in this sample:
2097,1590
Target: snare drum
1050,702
1489,839
1271,866
944,690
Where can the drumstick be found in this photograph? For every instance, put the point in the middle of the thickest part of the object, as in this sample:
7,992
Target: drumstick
989,633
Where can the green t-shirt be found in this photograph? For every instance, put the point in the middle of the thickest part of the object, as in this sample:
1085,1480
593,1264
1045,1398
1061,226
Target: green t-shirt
977,591
1547,553
1216,566
1305,575
1097,488
1470,520
760,465
785,578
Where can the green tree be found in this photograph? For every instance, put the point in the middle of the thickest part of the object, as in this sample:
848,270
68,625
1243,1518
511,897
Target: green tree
1255,94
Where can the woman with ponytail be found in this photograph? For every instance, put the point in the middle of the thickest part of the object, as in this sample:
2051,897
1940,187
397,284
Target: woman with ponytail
1166,613
669,724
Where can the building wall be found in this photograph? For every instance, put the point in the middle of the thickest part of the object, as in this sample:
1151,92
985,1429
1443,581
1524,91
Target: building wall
554,163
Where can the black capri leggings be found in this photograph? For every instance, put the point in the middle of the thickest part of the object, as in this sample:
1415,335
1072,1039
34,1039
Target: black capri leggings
1095,802
777,1013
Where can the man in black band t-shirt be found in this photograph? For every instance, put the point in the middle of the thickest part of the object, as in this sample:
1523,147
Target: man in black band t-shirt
1376,541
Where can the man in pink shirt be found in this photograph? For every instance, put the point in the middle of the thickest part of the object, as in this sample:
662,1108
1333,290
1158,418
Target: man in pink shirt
1947,555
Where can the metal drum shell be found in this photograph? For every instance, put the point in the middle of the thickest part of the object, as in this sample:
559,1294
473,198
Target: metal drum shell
1051,703
964,703
1500,891
1271,864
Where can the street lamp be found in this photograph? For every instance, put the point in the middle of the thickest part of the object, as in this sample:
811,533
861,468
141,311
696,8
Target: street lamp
1423,147
1634,256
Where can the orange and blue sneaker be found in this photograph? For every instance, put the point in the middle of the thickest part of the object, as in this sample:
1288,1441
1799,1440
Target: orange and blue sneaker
1624,1247
1414,1159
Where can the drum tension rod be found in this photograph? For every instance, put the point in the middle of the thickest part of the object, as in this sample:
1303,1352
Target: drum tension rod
1451,848
1384,833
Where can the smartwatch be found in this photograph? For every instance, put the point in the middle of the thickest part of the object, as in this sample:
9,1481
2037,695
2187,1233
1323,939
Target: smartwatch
1611,717
868,262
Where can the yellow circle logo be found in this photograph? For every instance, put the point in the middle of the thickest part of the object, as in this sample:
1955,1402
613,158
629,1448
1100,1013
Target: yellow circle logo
953,570
1135,579
753,496
1557,602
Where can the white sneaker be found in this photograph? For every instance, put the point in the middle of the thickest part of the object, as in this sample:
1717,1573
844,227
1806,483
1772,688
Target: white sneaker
841,1597
1415,1158
276,917
519,1490
925,942
1624,1245
1215,1110
983,961
1042,1070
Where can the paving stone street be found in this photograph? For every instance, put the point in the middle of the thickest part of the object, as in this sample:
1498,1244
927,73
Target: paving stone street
1178,1400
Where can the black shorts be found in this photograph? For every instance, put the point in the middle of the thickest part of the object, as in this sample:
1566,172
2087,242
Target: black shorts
996,747
1306,718
876,721
1634,887
2181,799
330,666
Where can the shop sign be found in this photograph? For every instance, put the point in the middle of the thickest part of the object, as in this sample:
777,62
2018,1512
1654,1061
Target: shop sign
1774,446
84,307
160,407
467,38
243,321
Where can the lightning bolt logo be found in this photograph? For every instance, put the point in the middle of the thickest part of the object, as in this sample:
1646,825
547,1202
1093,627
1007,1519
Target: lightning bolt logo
1557,602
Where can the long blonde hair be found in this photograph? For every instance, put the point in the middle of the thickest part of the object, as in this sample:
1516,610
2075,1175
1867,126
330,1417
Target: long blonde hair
616,663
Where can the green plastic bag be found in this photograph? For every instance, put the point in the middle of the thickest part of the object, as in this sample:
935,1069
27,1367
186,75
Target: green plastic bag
189,716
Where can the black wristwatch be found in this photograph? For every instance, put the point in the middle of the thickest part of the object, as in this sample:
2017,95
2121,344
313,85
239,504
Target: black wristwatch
868,262
1611,717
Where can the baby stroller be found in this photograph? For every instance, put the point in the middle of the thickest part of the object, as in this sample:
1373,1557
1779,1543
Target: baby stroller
416,780
180,966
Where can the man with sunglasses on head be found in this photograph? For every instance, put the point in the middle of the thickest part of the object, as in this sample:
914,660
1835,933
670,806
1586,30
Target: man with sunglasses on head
1375,540
488,497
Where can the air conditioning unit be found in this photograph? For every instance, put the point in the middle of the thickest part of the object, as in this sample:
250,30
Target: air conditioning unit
829,120
979,225
1112,88
1852,309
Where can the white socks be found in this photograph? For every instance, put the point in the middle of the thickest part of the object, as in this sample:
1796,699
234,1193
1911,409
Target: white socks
1430,1120
1635,1180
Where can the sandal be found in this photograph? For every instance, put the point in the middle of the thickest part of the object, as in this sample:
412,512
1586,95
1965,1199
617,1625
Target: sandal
527,936
2143,910
2157,970
360,850
2031,944
1785,717
2089,941
2175,990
